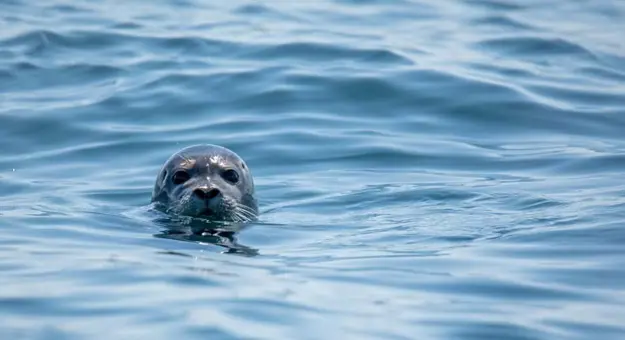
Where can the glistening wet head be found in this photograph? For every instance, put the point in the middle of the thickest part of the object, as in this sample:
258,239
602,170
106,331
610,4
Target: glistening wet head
207,180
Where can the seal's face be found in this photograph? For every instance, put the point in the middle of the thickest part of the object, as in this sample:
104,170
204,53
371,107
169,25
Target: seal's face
207,181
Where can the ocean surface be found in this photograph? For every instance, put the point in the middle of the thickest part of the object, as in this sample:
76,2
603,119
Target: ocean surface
424,170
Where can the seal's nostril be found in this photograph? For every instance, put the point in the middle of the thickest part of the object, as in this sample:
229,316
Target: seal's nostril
200,193
206,194
212,193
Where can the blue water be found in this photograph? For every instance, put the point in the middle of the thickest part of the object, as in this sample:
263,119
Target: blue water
425,170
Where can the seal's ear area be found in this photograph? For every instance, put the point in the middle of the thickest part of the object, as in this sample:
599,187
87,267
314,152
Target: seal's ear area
160,196
158,192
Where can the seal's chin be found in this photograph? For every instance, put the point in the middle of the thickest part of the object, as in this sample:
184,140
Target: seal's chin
207,212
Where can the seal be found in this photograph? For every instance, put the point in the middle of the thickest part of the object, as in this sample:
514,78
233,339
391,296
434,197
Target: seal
207,181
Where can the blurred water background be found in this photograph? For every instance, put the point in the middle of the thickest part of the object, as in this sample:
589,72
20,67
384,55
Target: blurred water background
425,170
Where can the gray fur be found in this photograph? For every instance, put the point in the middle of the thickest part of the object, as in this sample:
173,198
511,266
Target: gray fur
206,166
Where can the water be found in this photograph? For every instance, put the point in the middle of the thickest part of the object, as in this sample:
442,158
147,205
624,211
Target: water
449,170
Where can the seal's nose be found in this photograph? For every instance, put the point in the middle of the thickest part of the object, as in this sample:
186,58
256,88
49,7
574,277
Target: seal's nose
206,193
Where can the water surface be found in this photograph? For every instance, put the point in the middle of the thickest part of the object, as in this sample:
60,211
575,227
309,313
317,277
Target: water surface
425,170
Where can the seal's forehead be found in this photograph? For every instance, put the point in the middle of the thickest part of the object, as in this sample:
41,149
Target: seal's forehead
217,159
214,160
181,160
189,161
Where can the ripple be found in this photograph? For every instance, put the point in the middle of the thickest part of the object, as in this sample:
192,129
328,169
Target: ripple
536,47
30,77
48,42
262,10
325,52
66,8
496,5
503,21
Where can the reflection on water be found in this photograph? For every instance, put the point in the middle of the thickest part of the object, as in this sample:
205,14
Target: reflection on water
203,231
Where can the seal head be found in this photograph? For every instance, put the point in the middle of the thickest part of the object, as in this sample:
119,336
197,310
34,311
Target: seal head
207,181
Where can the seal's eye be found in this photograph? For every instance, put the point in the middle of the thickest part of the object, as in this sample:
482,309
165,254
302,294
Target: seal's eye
230,176
180,177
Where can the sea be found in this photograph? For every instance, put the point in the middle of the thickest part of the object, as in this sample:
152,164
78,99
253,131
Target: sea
424,169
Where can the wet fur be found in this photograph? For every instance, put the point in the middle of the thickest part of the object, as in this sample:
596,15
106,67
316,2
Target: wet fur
204,163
